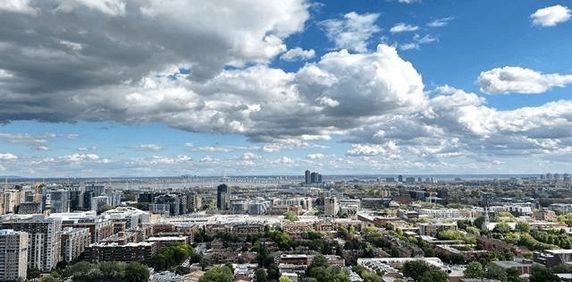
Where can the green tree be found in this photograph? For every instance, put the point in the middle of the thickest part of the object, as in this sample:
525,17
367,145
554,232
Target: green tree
263,257
495,272
283,240
136,272
502,227
260,275
284,279
218,274
273,272
478,223
415,269
566,219
171,255
434,275
394,252
421,271
321,270
522,226
474,270
48,278
370,277
291,216
542,274
112,269
319,261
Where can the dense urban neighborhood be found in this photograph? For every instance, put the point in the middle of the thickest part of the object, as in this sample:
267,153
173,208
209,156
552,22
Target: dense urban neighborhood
288,229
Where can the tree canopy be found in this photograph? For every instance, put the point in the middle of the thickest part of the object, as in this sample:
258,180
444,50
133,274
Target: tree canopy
107,271
474,270
171,255
218,274
420,271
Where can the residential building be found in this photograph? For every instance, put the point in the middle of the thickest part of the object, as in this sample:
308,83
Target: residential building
132,217
13,254
74,243
331,206
142,251
99,202
44,238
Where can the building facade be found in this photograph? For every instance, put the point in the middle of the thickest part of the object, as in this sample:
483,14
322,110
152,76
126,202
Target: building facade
223,197
13,254
44,238
74,243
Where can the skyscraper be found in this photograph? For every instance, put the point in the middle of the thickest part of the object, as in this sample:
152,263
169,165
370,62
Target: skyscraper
13,255
312,177
223,197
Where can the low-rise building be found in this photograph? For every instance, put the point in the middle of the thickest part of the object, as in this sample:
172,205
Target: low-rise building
142,251
521,267
554,257
167,240
132,217
433,228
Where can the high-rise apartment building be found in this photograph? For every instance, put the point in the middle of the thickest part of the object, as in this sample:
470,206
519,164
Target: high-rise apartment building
223,197
194,202
331,206
13,255
44,238
74,242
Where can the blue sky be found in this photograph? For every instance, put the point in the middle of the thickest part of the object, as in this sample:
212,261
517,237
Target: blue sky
251,87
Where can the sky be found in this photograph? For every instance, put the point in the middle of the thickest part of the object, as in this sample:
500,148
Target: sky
105,88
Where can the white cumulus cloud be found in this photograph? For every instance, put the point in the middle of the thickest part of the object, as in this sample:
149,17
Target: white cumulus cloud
551,16
298,54
353,31
8,157
512,79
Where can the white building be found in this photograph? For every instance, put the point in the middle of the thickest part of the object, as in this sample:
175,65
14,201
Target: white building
132,217
44,238
13,254
74,242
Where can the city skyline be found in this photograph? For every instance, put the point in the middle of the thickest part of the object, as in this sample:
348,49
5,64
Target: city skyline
135,88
